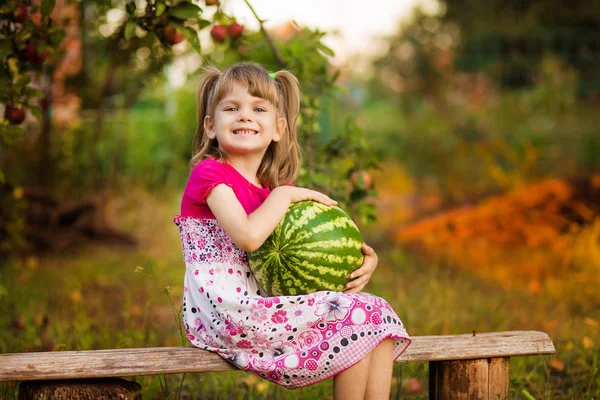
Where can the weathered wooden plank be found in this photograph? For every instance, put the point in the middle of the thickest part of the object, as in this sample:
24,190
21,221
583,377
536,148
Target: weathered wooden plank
170,360
482,345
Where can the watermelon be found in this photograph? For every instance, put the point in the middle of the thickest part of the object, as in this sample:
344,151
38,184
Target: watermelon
315,247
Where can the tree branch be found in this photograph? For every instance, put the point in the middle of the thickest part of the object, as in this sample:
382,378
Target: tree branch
268,39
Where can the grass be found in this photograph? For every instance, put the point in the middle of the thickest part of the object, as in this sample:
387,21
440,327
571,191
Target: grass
109,297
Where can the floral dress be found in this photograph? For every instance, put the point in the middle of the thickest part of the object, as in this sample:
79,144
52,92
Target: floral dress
293,341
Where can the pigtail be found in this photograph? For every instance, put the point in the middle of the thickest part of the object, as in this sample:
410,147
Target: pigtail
282,162
202,144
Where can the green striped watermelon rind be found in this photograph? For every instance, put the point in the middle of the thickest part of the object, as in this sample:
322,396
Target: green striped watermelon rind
308,238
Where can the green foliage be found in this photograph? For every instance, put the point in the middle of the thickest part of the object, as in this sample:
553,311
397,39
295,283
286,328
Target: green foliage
509,38
25,44
502,141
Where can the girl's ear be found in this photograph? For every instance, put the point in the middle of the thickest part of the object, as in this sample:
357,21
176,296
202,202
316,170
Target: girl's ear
209,127
281,126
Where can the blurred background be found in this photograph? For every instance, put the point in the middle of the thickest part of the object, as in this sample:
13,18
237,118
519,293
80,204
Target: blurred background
462,136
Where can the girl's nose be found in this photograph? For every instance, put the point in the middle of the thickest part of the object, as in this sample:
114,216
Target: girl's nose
245,114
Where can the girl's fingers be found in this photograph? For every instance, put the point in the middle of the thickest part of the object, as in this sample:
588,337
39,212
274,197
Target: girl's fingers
360,281
325,199
367,250
355,289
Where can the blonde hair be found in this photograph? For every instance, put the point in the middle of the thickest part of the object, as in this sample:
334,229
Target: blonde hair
281,161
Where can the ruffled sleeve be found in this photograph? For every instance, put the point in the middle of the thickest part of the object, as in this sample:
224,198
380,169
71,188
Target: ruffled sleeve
204,177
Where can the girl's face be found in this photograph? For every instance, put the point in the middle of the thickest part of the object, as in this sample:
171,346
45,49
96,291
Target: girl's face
243,124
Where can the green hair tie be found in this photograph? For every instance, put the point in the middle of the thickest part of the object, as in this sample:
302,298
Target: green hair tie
272,75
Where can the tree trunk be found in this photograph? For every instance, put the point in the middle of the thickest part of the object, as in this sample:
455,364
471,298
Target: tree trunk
83,389
482,379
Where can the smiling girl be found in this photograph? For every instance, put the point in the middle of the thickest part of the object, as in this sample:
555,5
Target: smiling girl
246,157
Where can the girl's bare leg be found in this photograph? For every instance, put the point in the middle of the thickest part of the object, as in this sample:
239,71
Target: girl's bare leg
352,383
380,371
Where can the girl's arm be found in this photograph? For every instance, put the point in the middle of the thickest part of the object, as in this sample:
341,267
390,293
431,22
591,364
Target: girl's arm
249,232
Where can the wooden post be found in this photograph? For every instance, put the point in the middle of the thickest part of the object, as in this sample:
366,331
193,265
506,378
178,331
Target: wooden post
83,389
480,379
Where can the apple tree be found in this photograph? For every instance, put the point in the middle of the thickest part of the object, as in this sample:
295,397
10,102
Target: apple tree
113,34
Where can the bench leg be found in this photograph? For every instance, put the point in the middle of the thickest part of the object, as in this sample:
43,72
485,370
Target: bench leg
483,379
83,389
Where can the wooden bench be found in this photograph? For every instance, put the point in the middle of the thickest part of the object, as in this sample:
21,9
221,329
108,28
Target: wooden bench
473,366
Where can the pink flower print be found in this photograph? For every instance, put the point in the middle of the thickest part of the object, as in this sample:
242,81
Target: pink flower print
268,301
224,338
279,348
334,307
279,317
309,338
311,301
258,313
231,326
245,344
288,327
297,315
230,271
189,335
199,326
262,364
260,339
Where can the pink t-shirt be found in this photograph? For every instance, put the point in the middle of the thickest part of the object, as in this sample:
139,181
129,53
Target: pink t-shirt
209,173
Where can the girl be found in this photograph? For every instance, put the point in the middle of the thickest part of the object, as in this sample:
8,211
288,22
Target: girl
246,156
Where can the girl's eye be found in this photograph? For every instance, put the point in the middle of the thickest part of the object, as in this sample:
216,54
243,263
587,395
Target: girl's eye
230,109
260,109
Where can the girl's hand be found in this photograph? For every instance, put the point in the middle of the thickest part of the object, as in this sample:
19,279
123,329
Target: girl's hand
361,276
297,194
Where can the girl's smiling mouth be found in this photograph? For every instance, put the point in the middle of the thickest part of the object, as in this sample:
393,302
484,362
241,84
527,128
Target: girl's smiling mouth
245,132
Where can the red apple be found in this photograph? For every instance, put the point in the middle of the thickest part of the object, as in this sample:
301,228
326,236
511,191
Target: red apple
172,35
14,114
211,2
361,179
412,386
32,55
218,33
21,13
235,30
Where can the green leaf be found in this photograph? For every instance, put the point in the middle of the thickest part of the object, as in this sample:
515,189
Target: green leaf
130,7
5,49
23,81
326,49
203,23
23,35
190,34
36,113
47,7
130,28
33,93
160,9
185,10
56,36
